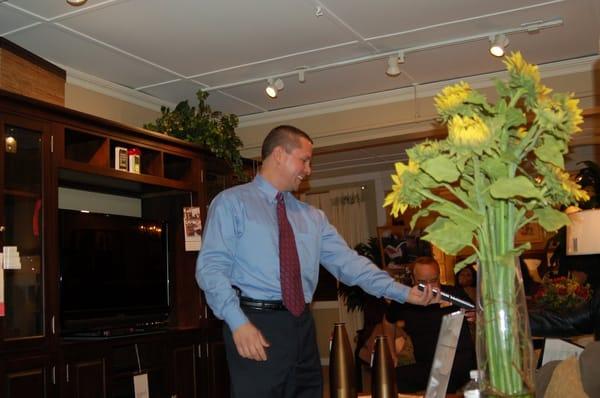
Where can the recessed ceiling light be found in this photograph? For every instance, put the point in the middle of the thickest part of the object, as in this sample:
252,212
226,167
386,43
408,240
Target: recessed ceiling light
76,2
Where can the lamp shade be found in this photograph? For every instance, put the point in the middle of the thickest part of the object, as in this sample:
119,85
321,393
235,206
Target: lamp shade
583,235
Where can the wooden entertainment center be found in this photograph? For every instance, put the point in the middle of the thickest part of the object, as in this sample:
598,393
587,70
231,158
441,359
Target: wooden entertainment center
47,147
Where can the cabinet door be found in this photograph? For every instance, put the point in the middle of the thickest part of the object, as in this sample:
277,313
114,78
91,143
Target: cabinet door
85,378
214,371
218,372
33,377
184,370
22,161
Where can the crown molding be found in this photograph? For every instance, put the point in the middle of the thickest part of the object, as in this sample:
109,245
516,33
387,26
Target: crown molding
567,67
105,87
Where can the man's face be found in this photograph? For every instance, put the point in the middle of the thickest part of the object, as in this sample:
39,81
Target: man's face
295,166
427,274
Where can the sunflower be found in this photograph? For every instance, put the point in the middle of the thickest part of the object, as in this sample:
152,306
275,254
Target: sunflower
468,132
451,97
574,118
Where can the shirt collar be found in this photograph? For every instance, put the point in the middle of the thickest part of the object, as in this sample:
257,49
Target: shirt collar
265,187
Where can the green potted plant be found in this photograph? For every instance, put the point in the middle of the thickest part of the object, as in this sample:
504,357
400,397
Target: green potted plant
201,125
503,164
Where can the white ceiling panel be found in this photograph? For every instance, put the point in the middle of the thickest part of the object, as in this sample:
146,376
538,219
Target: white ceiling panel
266,69
380,17
175,91
79,53
185,37
11,18
221,100
49,9
169,49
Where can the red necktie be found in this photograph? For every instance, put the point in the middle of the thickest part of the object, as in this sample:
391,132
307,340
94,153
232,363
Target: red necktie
289,264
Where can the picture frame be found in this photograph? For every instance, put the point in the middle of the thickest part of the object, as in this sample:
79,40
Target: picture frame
531,233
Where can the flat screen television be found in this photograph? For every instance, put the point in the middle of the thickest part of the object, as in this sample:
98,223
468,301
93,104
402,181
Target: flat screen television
114,273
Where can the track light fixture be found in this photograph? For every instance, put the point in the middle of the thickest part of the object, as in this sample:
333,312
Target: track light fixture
497,44
497,40
273,87
393,60
301,77
393,69
76,3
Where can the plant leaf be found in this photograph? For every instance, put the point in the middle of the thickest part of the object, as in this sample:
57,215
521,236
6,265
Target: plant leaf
462,264
494,167
457,213
448,236
441,168
506,188
551,219
551,151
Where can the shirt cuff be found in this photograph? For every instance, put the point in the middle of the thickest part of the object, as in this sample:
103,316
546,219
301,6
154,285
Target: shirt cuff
235,318
398,292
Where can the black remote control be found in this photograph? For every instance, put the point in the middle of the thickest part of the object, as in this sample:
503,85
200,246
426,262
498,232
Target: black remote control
453,299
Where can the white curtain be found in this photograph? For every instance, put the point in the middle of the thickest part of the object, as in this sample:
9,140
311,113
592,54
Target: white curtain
347,212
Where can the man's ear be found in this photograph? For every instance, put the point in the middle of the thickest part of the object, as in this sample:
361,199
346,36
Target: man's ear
278,153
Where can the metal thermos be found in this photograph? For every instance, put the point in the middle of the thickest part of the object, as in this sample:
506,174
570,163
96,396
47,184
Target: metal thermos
342,382
383,374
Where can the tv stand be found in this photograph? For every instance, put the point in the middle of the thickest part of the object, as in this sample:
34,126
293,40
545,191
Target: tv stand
71,151
113,333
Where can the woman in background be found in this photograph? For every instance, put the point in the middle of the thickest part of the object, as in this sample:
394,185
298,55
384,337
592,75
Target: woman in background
466,279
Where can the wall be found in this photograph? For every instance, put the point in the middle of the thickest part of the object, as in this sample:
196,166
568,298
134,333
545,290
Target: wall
397,113
98,97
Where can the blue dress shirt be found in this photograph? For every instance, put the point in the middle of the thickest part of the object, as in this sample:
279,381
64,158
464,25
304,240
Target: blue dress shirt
241,248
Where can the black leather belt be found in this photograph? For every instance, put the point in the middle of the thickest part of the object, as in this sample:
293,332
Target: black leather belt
265,305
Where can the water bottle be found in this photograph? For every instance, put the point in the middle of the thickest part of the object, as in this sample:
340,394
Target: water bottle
471,389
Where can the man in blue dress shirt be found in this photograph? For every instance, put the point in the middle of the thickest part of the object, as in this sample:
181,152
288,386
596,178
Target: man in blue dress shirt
270,351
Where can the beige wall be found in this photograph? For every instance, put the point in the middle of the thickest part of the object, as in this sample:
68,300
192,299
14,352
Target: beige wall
108,107
394,114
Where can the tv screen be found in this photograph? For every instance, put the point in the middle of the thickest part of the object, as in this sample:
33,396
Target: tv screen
114,271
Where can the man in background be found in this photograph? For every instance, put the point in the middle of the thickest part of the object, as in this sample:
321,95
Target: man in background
422,324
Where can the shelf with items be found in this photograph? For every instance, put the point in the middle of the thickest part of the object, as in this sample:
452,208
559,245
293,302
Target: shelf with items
121,158
108,155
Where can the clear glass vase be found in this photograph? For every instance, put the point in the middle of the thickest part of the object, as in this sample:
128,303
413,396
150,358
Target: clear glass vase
504,348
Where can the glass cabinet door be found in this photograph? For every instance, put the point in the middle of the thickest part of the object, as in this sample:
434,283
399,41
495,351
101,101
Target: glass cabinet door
21,231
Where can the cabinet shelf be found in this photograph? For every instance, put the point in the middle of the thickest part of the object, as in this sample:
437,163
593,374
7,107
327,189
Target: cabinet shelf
124,176
22,194
93,153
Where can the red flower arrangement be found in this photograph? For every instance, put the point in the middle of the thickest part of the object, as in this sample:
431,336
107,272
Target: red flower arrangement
561,294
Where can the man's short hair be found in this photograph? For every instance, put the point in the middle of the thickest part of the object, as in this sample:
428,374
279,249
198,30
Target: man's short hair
425,260
286,136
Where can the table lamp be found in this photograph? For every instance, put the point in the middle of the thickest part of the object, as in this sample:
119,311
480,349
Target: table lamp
584,232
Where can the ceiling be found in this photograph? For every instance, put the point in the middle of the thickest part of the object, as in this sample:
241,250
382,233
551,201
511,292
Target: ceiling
170,49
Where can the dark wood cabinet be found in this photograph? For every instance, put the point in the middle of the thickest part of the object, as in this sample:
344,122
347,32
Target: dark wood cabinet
83,371
199,366
216,375
47,148
31,376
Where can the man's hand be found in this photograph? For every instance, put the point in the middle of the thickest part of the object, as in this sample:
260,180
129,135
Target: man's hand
470,315
250,342
425,297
